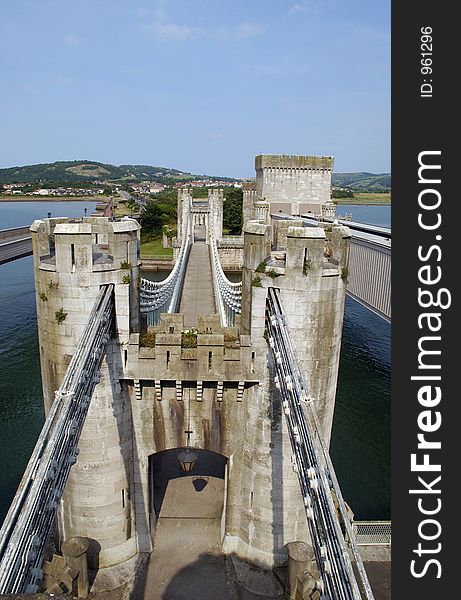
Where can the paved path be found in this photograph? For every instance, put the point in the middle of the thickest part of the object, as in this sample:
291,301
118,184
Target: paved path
186,563
197,296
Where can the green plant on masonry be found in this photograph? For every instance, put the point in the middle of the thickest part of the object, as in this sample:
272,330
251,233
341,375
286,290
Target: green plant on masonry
257,282
345,274
189,338
43,297
272,273
60,316
147,339
307,266
125,265
261,268
230,341
126,279
53,286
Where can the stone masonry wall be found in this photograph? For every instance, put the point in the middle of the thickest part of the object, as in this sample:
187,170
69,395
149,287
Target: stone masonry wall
294,184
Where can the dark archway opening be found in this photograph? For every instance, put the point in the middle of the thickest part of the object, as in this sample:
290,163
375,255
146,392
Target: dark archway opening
200,233
164,466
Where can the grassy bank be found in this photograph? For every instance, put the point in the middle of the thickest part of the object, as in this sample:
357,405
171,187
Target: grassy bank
365,198
155,248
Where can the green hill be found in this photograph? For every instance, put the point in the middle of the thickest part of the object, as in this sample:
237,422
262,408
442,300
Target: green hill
363,182
78,172
85,171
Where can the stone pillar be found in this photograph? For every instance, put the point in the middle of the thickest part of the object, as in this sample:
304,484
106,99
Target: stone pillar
300,555
74,551
215,203
184,207
256,249
249,198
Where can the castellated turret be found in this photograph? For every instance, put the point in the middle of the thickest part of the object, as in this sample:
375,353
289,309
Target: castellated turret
296,185
72,259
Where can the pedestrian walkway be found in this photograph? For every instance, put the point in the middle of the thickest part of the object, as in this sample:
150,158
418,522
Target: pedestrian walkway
197,295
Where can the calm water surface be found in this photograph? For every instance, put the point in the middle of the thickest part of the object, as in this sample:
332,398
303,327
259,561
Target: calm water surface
21,404
361,432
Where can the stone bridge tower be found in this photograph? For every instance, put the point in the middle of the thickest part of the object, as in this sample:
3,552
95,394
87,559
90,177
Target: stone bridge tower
72,259
296,185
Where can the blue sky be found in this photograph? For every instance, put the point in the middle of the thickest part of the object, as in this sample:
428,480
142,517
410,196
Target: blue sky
198,85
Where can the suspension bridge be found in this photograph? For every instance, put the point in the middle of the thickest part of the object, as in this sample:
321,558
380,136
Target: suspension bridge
30,520
240,376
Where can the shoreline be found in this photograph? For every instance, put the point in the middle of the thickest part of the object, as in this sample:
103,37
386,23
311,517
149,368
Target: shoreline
56,199
366,204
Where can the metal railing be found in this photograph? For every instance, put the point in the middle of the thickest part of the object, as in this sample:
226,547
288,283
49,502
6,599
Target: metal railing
313,466
372,533
28,524
228,294
158,297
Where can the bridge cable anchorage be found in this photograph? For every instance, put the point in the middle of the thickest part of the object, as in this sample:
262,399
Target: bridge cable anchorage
314,468
158,297
228,294
30,519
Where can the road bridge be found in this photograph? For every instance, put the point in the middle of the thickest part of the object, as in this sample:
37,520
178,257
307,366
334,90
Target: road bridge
15,243
369,268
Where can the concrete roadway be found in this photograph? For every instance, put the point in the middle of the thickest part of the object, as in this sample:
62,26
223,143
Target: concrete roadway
197,296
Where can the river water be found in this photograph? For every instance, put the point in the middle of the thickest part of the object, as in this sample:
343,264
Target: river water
361,431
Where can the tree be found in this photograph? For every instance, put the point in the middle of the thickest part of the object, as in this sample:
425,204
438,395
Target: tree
232,210
152,219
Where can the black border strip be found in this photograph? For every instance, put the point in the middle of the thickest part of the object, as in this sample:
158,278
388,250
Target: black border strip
424,123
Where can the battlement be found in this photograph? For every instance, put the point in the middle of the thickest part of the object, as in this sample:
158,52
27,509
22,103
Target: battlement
209,352
87,244
288,161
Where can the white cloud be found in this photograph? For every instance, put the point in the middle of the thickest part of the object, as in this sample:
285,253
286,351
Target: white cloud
248,30
297,8
305,6
172,31
216,136
176,32
240,32
72,39
160,10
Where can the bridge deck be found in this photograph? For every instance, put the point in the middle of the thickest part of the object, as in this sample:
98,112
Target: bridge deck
197,296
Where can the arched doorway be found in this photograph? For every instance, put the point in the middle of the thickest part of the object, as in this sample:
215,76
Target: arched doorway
165,466
200,233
